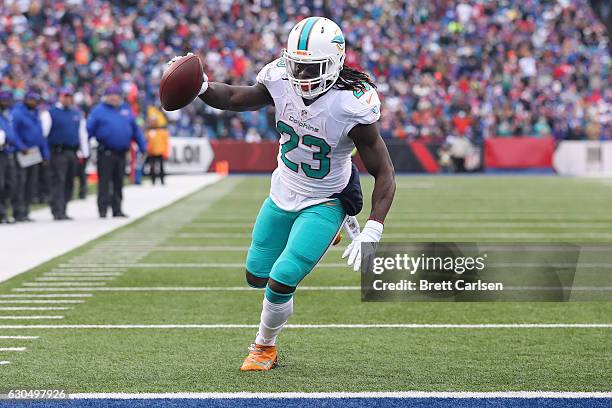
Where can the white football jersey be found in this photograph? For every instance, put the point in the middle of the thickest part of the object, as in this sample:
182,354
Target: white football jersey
314,157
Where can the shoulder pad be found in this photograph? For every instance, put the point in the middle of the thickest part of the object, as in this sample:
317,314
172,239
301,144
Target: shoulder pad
361,106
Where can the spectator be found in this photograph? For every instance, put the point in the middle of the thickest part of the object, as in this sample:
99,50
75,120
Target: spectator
158,147
459,149
479,56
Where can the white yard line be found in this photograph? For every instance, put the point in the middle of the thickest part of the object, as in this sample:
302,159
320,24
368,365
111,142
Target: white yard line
75,278
35,308
179,289
19,337
50,295
5,362
211,265
64,284
30,317
433,224
323,395
409,226
302,288
188,265
198,248
44,302
12,348
213,235
504,224
77,267
322,326
215,248
460,235
82,274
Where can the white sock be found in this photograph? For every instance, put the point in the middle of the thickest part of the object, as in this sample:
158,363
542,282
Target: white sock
273,318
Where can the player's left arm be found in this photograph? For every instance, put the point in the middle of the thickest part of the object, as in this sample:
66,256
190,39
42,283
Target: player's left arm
375,157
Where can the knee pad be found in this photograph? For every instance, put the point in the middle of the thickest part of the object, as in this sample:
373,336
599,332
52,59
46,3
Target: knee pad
276,297
256,281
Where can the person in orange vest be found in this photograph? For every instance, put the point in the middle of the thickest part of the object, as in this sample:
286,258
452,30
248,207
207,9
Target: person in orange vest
158,146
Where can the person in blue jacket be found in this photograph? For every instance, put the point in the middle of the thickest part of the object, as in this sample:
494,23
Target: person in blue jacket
113,124
27,125
64,127
9,143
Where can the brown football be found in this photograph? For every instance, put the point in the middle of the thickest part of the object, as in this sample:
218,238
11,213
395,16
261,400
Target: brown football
181,83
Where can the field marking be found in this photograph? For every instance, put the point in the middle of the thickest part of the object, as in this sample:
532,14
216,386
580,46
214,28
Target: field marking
76,278
179,289
233,248
324,395
35,308
323,326
64,283
74,267
82,274
339,248
12,348
215,248
437,235
302,288
49,295
41,301
5,362
212,265
437,224
19,337
344,265
30,317
458,217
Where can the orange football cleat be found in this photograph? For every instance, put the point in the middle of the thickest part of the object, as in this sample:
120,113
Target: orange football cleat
260,358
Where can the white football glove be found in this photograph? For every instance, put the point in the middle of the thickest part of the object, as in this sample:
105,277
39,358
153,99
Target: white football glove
204,76
372,232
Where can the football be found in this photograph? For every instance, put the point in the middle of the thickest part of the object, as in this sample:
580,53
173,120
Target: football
181,83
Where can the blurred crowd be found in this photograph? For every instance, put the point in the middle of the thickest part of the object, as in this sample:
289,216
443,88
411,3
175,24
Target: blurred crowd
473,68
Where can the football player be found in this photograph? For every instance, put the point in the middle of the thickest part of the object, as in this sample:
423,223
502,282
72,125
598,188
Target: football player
324,109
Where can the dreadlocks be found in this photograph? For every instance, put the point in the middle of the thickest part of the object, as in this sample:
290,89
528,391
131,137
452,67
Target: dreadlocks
353,80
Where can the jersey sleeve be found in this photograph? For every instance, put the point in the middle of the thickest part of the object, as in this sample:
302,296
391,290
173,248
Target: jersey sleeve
273,76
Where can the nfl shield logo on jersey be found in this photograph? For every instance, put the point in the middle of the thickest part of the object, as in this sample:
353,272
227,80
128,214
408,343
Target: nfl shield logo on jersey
303,114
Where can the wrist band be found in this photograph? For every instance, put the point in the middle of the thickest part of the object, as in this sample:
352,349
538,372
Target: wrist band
375,219
204,88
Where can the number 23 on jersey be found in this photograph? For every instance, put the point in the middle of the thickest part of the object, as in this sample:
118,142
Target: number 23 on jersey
322,156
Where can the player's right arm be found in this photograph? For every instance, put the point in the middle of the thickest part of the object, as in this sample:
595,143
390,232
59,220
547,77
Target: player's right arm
236,98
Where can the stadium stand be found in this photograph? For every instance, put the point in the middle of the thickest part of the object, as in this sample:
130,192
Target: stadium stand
474,68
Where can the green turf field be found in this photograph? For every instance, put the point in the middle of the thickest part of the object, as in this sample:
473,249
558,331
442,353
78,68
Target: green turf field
170,269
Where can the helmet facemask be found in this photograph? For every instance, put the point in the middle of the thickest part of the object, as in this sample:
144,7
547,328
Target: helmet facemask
311,77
